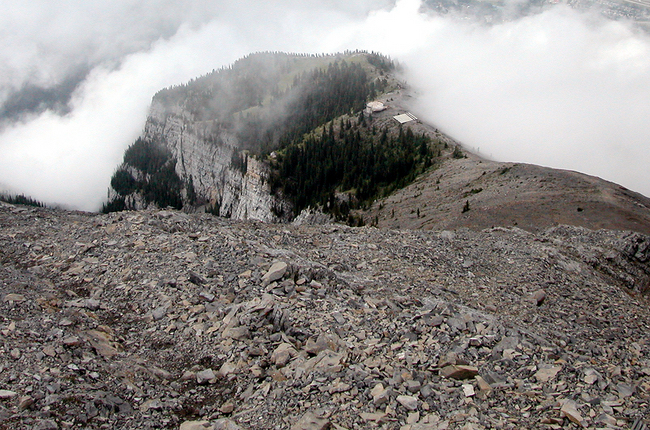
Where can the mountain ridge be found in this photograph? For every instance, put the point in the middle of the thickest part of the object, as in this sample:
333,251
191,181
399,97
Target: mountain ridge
466,190
211,128
237,157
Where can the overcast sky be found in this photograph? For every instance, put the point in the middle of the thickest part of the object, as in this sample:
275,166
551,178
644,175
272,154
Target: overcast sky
558,88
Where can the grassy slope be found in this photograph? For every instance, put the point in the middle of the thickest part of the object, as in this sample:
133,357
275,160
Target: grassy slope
507,194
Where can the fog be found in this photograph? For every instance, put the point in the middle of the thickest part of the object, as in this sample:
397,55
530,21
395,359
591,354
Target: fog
559,88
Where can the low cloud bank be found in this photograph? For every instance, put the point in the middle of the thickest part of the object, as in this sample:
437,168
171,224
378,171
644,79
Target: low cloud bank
558,88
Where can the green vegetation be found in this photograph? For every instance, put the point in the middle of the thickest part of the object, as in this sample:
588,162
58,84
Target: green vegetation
345,168
326,94
160,183
115,205
123,182
21,199
309,110
270,99
145,156
164,187
458,153
239,161
314,98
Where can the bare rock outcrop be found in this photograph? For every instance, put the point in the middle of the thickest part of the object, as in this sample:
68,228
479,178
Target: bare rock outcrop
205,155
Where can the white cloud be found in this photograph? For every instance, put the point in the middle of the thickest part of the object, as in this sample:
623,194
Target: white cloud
70,159
558,88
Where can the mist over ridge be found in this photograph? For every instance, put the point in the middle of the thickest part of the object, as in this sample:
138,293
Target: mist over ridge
560,88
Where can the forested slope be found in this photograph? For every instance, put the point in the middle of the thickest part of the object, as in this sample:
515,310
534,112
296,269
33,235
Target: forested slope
269,136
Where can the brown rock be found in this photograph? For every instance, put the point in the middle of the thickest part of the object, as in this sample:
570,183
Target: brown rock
226,369
7,394
458,372
538,297
570,411
71,341
546,373
277,271
367,416
310,421
25,402
15,353
409,402
196,425
227,408
282,354
379,394
103,343
321,344
483,385
16,298
448,359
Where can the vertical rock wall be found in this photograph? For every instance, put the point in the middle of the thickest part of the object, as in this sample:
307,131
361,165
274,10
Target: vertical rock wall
204,154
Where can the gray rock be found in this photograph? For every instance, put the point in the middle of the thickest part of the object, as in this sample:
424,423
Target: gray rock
277,271
7,394
159,313
413,386
238,333
205,376
45,425
625,390
226,424
409,402
354,332
197,279
338,317
456,323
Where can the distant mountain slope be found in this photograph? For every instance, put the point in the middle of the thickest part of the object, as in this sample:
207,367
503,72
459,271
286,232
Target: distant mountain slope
277,133
238,139
477,193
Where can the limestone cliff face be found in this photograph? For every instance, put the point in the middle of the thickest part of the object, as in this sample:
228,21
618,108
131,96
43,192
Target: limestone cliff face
247,195
203,152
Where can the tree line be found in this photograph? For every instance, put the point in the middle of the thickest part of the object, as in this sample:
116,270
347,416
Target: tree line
158,183
267,115
351,159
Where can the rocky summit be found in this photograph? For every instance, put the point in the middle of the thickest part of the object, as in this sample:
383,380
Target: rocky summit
159,319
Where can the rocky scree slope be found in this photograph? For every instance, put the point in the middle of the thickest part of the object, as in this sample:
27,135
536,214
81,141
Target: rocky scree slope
160,319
